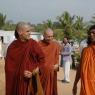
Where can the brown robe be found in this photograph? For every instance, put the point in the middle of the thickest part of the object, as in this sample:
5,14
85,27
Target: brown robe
88,71
21,56
49,78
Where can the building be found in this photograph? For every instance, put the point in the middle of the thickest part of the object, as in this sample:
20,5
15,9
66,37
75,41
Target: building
8,36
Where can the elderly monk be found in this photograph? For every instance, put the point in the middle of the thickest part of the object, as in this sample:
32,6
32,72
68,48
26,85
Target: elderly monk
51,50
86,70
23,58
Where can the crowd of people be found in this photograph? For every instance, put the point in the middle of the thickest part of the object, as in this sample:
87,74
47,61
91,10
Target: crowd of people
31,67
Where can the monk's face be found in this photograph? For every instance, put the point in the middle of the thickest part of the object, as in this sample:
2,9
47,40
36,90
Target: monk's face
92,35
24,32
48,36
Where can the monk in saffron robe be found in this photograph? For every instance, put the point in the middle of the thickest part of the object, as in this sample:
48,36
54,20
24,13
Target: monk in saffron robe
24,57
51,50
86,70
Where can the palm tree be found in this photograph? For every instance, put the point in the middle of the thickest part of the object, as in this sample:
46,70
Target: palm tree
79,28
79,23
67,23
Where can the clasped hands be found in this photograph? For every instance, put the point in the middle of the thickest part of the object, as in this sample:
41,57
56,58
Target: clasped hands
29,74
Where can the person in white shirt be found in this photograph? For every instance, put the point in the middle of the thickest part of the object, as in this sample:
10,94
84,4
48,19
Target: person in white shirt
67,60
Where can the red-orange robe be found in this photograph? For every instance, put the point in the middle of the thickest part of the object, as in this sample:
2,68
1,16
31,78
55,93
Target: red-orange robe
88,71
21,56
49,80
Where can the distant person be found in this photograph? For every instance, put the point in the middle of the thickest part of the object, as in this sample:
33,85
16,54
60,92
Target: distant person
86,70
67,60
61,60
22,63
73,65
51,50
1,49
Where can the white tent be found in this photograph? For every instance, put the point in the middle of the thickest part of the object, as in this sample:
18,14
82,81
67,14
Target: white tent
8,36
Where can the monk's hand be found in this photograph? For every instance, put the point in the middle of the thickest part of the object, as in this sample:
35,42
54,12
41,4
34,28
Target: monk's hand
27,74
74,90
35,71
56,66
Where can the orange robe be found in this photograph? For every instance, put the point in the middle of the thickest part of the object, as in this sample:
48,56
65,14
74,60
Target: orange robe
49,78
21,56
88,71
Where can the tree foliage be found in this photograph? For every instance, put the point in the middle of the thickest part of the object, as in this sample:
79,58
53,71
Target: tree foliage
2,20
66,22
66,25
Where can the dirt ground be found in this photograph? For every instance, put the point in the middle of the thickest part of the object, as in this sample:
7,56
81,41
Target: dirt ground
66,88
2,78
63,88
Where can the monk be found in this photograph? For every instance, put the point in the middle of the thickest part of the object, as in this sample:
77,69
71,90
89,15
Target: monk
51,50
86,70
23,60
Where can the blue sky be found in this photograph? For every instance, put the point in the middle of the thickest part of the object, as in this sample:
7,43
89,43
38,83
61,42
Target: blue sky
37,11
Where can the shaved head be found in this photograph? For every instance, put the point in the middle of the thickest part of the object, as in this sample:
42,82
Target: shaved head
21,25
23,31
48,31
48,35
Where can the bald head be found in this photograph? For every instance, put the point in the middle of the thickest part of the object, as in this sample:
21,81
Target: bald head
22,25
23,30
48,35
48,31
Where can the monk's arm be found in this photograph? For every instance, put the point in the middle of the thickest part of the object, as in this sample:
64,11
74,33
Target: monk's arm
56,66
83,60
74,90
77,76
84,56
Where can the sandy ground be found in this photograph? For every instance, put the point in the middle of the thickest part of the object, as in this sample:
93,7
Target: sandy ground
63,88
2,78
66,88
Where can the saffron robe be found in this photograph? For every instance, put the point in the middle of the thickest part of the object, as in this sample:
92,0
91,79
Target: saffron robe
21,56
49,78
87,70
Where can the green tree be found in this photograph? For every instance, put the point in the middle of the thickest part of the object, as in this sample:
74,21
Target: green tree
9,25
2,20
48,24
79,28
39,27
67,23
79,25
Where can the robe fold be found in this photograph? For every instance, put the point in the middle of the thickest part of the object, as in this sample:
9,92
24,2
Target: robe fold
38,86
87,74
21,56
49,78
